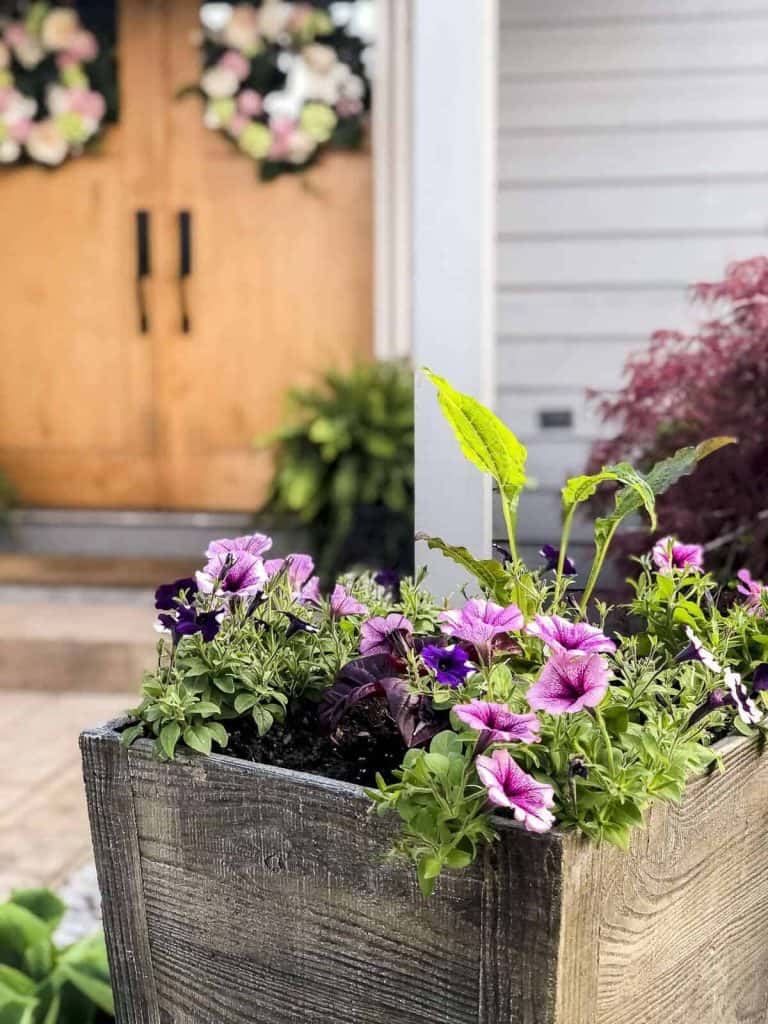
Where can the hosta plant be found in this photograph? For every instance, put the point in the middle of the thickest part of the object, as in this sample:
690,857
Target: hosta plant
41,983
344,467
526,697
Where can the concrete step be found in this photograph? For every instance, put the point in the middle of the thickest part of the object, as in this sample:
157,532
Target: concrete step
76,640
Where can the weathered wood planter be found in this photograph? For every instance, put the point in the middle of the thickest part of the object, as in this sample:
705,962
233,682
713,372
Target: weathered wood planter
241,894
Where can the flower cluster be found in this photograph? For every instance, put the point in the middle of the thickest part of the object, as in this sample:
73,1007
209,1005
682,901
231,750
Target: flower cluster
54,80
283,80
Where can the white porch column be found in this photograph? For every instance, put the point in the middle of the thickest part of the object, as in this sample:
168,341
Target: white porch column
454,86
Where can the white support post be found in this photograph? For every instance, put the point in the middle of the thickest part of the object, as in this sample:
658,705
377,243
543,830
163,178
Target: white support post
454,90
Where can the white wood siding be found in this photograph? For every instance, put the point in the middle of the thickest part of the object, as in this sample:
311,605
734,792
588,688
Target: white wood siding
633,160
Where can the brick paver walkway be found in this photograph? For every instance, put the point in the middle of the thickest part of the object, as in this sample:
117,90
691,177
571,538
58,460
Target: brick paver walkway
44,833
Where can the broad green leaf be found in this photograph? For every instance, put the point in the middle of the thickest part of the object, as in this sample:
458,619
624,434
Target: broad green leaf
19,929
15,983
581,488
131,734
16,1012
483,438
169,736
91,981
458,859
218,732
43,903
263,719
38,958
244,702
446,742
198,738
488,573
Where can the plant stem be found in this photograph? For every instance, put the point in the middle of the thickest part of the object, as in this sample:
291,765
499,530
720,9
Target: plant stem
606,740
564,538
596,569
509,519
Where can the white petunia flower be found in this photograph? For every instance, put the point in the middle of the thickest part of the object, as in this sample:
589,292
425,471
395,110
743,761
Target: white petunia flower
746,707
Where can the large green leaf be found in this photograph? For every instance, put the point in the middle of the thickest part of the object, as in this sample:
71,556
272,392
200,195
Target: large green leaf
581,488
488,573
43,903
484,439
19,929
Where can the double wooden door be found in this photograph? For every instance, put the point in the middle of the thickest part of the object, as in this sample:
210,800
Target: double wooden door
100,410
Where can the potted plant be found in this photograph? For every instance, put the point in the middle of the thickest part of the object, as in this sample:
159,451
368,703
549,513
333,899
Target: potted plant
571,803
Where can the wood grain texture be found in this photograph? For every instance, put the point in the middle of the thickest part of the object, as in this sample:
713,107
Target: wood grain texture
242,893
115,841
674,932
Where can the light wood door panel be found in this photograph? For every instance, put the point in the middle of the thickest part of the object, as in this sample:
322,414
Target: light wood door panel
95,413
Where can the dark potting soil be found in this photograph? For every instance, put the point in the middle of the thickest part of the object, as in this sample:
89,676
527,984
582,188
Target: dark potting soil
367,742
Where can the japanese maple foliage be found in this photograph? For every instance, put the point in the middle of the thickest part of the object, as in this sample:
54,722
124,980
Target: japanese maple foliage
688,386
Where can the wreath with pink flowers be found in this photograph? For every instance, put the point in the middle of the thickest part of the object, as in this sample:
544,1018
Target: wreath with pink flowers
285,81
57,85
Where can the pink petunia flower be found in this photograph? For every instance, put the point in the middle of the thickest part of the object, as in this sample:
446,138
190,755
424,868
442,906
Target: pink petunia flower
509,786
480,623
569,682
501,725
305,587
381,635
669,554
753,590
249,103
343,603
254,544
559,636
233,574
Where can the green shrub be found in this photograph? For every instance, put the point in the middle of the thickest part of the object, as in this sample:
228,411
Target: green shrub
344,468
40,983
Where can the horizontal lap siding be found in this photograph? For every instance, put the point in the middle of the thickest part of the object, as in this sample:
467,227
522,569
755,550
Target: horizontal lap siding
633,160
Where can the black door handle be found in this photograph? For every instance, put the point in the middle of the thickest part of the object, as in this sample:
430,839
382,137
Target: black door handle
143,267
185,267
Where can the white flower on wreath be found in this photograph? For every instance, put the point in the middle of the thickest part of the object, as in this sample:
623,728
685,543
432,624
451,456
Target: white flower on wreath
46,144
274,18
10,150
59,29
25,47
219,82
314,75
241,29
358,18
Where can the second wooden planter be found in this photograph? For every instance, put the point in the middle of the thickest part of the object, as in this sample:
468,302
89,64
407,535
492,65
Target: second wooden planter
237,893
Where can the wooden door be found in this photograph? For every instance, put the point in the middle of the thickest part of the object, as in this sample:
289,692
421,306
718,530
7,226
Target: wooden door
95,413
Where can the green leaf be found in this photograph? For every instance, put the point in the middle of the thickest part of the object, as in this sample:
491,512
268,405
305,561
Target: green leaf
206,708
616,720
263,719
219,733
19,929
131,734
169,737
15,983
38,958
244,702
488,573
198,738
16,1012
581,488
91,982
446,742
458,859
483,438
43,903
438,764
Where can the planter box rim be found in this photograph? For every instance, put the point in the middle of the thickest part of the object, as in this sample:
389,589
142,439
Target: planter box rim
353,790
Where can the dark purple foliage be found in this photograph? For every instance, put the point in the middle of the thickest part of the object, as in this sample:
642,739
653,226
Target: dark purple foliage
166,594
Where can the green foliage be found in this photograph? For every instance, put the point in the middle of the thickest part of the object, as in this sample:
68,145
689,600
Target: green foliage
344,467
442,807
40,983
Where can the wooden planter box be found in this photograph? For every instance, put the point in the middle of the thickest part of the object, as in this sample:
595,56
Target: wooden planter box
236,893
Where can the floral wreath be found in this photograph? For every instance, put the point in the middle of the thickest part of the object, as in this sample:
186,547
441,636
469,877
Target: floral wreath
57,86
286,81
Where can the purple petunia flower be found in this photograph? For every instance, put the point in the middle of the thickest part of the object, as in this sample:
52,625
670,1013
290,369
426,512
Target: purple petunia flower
253,544
746,707
753,590
343,603
305,588
569,682
669,554
552,557
480,622
233,574
390,580
696,651
385,635
188,621
714,702
451,664
165,595
559,635
297,625
509,786
498,722
760,679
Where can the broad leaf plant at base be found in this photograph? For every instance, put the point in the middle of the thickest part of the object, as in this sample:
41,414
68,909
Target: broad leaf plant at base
523,699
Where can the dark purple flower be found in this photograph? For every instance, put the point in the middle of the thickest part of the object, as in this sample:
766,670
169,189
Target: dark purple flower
760,679
497,723
577,766
297,625
165,595
569,682
343,603
747,710
717,699
509,786
552,557
390,580
188,620
233,574
451,664
385,635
